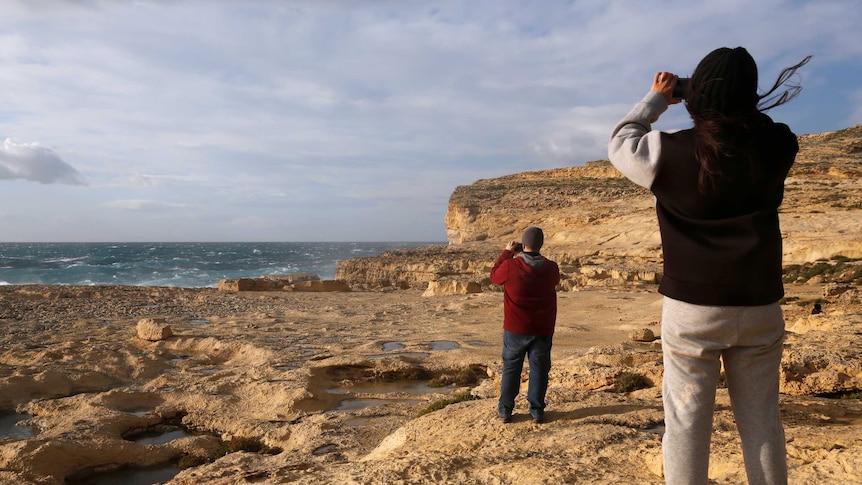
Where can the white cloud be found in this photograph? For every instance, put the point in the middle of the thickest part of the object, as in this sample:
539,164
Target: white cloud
143,205
577,135
29,161
156,180
201,113
141,180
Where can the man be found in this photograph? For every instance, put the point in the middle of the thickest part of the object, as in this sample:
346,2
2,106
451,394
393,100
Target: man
529,316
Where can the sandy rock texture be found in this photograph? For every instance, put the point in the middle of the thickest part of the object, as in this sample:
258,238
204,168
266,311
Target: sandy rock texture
295,380
287,387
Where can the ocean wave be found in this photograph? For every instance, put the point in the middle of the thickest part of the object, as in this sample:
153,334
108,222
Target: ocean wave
190,265
65,260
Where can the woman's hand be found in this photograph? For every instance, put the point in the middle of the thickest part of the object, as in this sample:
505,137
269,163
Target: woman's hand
663,83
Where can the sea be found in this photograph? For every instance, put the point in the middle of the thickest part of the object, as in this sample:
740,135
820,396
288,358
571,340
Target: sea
187,265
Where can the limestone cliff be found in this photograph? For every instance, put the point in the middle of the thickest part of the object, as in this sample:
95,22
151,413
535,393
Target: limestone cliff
602,229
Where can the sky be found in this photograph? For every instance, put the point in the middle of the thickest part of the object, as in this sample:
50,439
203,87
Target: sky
349,120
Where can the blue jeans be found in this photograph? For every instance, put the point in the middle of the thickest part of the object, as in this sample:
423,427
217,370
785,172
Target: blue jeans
538,351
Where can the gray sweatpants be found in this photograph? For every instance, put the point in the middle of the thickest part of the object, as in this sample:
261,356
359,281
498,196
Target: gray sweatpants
749,340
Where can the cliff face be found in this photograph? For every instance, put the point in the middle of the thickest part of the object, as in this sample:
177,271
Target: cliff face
495,209
602,228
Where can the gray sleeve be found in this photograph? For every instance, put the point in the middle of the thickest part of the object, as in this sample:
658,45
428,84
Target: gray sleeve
634,147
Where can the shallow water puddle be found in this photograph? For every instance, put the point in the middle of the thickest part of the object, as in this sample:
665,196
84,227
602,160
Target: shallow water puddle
390,346
128,476
9,427
380,389
445,345
409,355
322,450
139,411
357,404
355,387
160,435
383,387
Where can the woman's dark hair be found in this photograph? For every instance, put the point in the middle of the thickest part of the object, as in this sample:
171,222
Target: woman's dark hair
723,102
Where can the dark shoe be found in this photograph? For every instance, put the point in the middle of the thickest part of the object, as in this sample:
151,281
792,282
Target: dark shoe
538,419
505,419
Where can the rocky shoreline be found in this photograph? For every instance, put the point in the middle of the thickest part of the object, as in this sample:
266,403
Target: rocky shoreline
389,373
278,387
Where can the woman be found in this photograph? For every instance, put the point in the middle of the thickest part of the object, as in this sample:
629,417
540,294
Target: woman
718,186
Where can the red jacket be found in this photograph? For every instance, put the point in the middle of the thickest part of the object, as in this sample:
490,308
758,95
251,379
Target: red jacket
529,294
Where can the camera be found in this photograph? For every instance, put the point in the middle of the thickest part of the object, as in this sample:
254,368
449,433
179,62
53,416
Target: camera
679,89
518,247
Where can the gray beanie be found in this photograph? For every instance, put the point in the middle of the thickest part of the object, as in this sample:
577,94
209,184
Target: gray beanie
533,238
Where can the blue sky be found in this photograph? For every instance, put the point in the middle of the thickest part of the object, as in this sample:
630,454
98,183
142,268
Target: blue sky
333,120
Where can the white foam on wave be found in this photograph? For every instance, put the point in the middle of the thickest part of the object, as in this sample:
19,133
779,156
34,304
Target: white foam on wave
65,260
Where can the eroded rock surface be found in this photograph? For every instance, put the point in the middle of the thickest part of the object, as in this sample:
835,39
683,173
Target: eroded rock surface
382,385
281,387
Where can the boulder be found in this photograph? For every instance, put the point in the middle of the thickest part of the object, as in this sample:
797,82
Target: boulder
832,290
243,284
318,286
266,282
153,329
642,335
444,288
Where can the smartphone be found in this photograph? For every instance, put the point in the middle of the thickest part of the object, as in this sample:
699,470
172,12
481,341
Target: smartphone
679,89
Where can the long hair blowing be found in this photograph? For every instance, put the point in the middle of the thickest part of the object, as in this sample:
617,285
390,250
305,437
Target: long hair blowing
721,137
